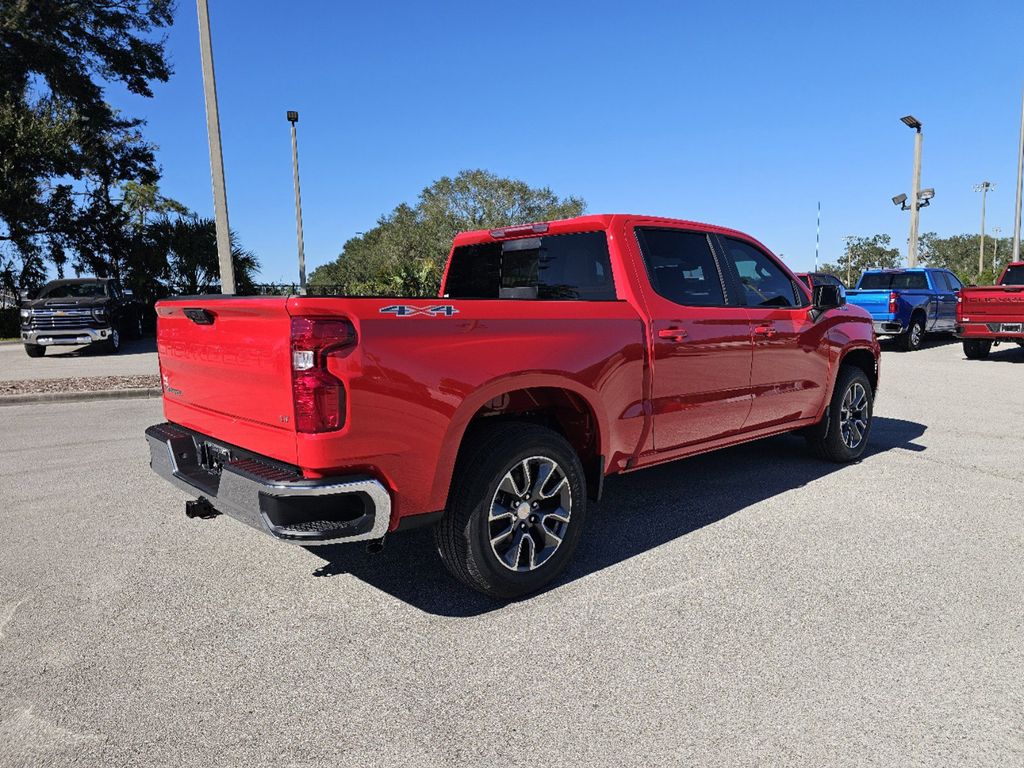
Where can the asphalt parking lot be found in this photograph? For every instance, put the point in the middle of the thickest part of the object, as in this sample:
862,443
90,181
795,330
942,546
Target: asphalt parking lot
754,606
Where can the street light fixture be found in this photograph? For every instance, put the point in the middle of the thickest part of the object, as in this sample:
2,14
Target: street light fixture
293,118
911,122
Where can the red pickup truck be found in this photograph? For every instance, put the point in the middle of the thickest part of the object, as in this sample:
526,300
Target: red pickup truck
556,354
990,314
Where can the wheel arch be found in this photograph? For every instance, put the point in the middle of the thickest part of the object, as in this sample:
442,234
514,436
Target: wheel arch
562,405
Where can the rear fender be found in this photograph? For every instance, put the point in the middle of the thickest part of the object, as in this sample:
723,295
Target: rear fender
492,391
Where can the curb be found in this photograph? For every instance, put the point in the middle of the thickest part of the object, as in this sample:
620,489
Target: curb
67,397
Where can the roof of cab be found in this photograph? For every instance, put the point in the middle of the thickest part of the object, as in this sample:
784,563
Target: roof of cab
588,223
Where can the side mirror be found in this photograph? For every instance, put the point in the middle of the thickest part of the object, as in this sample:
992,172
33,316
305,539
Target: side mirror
825,296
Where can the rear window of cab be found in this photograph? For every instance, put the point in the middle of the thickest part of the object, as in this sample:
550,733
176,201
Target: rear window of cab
574,266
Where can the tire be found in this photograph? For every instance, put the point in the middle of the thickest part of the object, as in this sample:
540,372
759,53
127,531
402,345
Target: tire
912,339
113,345
135,327
490,490
833,437
975,349
35,350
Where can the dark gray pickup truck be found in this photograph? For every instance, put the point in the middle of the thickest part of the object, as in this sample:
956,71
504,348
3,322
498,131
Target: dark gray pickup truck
80,311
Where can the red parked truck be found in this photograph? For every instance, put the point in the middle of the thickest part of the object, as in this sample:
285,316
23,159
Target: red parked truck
556,354
991,314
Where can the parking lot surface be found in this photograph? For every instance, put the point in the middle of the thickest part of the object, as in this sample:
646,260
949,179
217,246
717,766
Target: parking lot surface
754,606
136,358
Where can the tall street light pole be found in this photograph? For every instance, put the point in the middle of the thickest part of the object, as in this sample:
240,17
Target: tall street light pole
293,118
912,122
220,196
995,253
1020,187
984,187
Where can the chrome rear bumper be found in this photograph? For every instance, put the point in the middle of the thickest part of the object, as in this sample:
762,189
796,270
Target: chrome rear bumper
267,495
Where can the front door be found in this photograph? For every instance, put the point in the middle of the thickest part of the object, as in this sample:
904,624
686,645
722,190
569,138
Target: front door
700,387
790,350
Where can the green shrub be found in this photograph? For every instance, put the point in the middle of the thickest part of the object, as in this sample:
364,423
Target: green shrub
10,323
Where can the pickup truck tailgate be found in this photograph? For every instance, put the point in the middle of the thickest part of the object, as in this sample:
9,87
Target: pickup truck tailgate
997,301
875,302
226,368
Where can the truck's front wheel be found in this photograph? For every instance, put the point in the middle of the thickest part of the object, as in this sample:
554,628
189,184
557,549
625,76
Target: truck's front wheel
35,350
515,512
843,434
977,350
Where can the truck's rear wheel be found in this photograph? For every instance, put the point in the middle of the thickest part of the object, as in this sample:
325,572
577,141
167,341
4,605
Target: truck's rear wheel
975,349
842,435
35,350
515,512
912,339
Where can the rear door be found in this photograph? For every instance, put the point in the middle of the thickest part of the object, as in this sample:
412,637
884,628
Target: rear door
790,350
701,339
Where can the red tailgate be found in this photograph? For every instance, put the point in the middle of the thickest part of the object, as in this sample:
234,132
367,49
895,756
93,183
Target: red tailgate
226,370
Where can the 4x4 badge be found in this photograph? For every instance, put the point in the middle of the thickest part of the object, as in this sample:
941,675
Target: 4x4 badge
405,310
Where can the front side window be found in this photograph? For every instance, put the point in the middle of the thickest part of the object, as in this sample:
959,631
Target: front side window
574,267
681,266
764,283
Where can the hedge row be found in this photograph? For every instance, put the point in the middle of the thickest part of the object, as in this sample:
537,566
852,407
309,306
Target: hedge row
10,324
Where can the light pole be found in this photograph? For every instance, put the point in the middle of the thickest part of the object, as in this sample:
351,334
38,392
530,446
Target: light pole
293,118
995,251
912,122
849,257
1020,187
220,195
984,187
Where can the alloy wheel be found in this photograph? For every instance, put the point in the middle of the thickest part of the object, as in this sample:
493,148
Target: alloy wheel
529,514
853,415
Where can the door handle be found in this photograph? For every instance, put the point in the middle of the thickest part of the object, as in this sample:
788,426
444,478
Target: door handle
765,330
673,334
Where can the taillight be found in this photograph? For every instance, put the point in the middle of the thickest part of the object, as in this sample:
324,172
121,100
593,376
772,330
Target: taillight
892,302
319,397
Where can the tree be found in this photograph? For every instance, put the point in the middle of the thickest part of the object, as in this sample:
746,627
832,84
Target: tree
187,249
864,253
959,254
64,151
406,252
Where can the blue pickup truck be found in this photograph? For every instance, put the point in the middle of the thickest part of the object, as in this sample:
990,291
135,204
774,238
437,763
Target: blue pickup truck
908,303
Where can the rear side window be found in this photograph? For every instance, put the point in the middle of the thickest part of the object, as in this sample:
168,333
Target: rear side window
681,266
1014,276
806,279
954,281
763,281
566,267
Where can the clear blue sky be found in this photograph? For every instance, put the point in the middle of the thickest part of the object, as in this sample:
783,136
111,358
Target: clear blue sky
741,114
